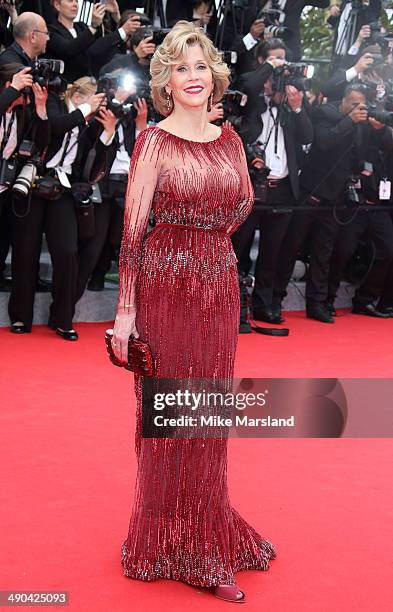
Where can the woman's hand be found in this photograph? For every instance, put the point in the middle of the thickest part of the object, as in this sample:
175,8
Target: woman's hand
141,118
97,101
108,120
22,79
123,328
98,15
40,98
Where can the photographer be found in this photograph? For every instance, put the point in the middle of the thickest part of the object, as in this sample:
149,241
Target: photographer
342,134
281,19
78,44
17,122
348,21
274,128
375,189
174,10
131,119
115,43
30,39
58,210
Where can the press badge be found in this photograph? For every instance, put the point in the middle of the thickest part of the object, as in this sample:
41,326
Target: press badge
385,190
63,178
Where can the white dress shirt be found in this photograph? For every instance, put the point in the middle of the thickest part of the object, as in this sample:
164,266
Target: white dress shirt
275,160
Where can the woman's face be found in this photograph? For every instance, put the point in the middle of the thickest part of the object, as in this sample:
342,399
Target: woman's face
79,98
191,81
67,8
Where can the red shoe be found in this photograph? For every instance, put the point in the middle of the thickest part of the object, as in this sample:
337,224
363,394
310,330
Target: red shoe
229,592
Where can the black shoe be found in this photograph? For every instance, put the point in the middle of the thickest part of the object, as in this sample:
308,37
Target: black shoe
331,309
266,315
386,310
19,328
319,312
276,310
96,283
69,334
369,310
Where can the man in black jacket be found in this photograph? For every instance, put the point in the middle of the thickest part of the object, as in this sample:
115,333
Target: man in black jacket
342,133
278,121
174,10
30,39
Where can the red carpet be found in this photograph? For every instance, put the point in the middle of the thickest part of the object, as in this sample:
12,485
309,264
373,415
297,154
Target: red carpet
68,467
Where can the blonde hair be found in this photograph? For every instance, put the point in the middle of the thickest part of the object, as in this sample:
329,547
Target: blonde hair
84,85
172,50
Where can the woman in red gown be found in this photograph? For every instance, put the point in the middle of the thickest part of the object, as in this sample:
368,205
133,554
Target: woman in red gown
179,292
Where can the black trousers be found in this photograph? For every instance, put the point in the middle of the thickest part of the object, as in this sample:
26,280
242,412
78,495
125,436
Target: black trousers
322,229
108,232
5,228
378,226
273,227
58,220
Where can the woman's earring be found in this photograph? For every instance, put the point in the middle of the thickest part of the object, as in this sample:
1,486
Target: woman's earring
210,103
168,102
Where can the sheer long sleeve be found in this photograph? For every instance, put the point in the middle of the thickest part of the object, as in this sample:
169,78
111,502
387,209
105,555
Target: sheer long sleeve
246,191
144,171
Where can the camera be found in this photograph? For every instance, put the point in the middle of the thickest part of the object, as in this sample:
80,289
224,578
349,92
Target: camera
270,17
258,175
108,84
232,101
46,72
295,73
384,117
157,34
25,180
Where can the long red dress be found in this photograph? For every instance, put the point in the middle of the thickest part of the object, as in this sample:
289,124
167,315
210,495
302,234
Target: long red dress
184,283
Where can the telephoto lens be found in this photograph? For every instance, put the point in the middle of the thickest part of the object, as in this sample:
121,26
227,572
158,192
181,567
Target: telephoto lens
25,180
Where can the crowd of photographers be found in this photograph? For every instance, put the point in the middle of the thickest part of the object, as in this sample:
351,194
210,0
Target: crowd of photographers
74,94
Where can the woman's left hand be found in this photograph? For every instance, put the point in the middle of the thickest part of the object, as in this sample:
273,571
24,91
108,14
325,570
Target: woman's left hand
108,120
40,98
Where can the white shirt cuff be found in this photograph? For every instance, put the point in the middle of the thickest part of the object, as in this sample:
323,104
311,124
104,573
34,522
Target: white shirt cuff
123,34
350,74
85,109
354,50
249,41
105,138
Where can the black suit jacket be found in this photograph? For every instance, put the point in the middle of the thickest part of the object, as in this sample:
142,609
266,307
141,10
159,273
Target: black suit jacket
339,144
29,125
61,122
297,127
14,54
175,10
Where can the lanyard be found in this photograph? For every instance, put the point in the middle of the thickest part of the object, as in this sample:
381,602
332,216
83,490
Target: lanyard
7,134
65,151
274,127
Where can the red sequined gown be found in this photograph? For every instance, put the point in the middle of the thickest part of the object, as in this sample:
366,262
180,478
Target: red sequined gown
184,283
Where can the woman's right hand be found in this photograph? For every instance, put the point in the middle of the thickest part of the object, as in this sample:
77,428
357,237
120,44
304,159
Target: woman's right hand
124,326
97,101
98,15
22,79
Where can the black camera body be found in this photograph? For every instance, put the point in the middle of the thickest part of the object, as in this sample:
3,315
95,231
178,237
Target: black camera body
270,17
157,34
383,116
46,72
291,73
258,175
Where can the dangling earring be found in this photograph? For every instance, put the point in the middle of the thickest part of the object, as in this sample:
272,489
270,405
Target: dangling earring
168,102
210,103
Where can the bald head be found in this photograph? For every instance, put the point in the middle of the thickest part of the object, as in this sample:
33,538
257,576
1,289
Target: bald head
30,33
26,23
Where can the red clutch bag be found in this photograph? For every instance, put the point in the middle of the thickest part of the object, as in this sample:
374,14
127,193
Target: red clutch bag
140,359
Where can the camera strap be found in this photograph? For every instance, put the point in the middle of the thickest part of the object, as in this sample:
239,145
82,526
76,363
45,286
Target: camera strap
65,149
6,133
276,121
